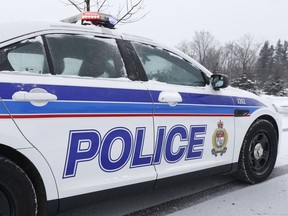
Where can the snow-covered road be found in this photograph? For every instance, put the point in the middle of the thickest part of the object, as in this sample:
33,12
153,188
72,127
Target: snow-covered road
268,198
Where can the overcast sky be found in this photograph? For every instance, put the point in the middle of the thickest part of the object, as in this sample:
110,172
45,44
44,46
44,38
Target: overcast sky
171,21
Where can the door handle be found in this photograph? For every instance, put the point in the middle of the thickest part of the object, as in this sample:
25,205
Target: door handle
37,96
172,98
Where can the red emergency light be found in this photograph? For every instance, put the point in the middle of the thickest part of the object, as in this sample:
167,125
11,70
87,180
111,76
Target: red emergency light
95,18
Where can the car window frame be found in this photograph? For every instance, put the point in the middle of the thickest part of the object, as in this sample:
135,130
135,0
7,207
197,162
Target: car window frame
141,67
134,67
96,36
135,72
21,43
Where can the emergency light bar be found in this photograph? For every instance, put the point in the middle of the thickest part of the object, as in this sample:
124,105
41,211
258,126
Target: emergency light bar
95,18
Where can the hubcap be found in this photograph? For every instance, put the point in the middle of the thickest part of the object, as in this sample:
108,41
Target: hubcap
258,151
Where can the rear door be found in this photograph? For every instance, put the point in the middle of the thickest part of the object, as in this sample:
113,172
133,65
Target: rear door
89,121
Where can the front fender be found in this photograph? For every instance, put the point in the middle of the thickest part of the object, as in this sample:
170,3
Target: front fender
242,125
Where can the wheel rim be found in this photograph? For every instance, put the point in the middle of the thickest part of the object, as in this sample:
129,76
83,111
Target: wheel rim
259,153
6,203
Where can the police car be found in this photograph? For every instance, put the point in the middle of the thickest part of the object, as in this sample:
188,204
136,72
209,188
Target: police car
87,113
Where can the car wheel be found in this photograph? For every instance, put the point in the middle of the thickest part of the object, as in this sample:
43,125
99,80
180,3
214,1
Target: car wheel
17,194
258,153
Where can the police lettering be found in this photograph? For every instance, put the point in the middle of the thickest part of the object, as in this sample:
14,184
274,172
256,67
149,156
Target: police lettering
172,145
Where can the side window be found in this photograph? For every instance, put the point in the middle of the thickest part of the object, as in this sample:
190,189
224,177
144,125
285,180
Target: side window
85,56
25,56
164,66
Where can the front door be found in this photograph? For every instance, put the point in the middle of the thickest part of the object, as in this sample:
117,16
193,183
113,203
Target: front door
194,124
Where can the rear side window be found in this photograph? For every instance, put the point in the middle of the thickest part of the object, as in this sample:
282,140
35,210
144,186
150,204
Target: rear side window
85,56
164,66
25,56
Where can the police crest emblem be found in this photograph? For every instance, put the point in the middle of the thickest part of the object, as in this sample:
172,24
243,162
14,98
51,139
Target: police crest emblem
219,140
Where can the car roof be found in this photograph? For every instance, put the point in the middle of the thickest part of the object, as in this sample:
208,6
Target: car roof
18,29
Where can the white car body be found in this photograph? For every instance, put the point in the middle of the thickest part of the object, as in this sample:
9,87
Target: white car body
87,135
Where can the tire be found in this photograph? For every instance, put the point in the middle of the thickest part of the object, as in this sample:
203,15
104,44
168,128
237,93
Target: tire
258,153
17,194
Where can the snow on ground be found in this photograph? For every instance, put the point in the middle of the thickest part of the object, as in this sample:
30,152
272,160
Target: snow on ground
267,198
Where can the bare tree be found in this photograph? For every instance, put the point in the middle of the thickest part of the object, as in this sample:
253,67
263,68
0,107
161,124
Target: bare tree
203,41
127,11
213,60
246,52
203,48
229,62
186,47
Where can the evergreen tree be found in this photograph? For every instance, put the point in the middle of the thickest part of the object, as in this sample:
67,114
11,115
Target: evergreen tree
275,88
278,69
285,63
264,63
243,82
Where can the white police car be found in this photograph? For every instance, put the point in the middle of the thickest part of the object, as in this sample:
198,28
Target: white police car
87,113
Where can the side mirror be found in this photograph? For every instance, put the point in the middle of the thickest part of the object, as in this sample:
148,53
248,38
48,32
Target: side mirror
219,81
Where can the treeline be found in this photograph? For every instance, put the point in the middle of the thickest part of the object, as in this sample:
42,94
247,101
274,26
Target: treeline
250,65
